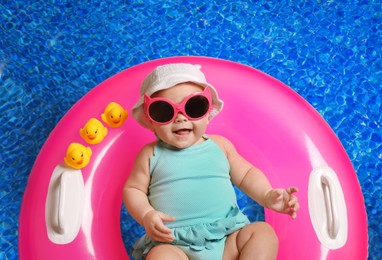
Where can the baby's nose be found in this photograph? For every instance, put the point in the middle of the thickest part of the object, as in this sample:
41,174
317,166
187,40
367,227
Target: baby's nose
180,118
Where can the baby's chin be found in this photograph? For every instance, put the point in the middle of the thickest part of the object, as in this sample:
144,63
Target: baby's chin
183,144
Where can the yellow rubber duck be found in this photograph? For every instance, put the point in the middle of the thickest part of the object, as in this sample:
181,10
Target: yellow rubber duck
77,156
114,115
93,132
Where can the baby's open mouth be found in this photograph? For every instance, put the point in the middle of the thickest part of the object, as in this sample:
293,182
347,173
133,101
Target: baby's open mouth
183,131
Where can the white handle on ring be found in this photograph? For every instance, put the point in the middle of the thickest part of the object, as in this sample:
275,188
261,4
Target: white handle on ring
64,204
327,207
61,203
328,189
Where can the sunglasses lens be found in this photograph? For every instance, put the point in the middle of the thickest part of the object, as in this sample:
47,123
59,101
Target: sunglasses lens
197,106
161,111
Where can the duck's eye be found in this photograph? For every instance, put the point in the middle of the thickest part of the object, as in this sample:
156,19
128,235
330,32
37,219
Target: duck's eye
73,159
82,155
120,115
96,131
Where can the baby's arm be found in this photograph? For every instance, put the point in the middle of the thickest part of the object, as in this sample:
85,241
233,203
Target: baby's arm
255,184
136,201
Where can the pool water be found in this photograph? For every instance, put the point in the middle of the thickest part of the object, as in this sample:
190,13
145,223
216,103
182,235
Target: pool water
53,52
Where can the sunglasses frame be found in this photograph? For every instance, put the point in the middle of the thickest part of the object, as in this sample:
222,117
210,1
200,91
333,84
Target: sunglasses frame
180,107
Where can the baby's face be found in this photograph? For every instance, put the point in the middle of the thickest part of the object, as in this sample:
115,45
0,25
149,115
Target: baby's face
181,132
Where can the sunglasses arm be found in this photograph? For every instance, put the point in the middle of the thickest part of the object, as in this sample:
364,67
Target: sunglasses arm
146,99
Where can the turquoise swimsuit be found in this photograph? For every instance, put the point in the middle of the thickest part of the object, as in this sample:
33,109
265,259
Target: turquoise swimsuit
194,186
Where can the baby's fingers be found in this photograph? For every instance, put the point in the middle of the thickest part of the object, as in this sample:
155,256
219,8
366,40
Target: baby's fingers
162,228
161,231
162,234
292,190
293,214
293,207
293,201
166,218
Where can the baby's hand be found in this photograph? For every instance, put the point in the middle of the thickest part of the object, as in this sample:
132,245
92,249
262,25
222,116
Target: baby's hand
155,228
283,200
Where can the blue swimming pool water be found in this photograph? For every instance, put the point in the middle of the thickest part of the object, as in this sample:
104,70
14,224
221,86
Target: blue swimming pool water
53,52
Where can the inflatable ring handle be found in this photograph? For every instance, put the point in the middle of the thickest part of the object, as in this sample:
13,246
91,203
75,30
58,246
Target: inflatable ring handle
62,223
327,207
64,205
328,189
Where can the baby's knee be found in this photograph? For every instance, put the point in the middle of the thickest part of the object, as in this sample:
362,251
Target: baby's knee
262,231
268,232
166,251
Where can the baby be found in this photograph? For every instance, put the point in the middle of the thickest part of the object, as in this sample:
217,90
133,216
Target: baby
180,188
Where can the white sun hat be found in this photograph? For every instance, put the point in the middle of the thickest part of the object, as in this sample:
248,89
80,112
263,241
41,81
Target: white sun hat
167,76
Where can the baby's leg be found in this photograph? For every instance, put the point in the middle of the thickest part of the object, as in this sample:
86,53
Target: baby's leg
255,241
166,251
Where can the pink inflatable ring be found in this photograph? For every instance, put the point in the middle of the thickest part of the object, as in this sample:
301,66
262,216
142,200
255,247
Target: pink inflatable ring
74,213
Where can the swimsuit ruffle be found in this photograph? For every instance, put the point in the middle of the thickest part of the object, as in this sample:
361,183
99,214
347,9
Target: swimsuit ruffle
199,236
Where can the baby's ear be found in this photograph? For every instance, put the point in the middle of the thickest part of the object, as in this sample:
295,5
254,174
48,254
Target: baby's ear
149,124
